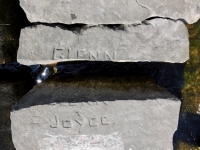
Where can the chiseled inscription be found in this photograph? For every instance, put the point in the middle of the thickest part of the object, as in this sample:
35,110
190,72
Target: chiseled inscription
83,54
80,53
66,124
70,123
55,125
104,121
83,104
92,56
93,122
60,53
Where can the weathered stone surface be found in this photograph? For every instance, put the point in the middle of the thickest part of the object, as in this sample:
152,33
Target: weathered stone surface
156,40
109,12
91,112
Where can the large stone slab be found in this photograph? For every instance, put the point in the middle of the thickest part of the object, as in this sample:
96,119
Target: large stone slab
109,12
159,40
91,112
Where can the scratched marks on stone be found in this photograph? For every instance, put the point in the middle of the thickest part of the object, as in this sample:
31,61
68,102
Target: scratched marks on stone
80,142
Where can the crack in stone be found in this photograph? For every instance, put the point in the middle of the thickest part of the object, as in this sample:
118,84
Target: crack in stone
79,28
142,5
153,12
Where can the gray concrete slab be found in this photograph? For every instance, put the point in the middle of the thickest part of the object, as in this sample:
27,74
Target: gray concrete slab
158,40
109,12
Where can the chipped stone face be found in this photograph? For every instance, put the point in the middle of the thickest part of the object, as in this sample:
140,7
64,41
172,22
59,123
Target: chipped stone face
158,40
95,113
109,12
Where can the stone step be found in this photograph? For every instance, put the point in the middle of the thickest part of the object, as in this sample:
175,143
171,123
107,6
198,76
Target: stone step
158,40
95,112
109,11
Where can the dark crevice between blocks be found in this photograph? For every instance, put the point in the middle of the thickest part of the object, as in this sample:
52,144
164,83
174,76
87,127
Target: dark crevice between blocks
79,27
22,18
168,75
156,17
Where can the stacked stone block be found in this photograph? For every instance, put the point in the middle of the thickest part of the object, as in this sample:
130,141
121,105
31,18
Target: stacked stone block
104,30
89,113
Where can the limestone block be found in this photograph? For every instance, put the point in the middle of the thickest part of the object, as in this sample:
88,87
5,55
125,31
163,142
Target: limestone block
95,113
158,40
109,12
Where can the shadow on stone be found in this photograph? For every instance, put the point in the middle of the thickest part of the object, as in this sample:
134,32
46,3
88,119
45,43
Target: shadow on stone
92,88
23,21
116,107
168,75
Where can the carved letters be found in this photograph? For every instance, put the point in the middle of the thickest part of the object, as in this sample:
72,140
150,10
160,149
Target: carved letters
66,124
93,122
55,125
84,103
71,123
59,53
104,121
